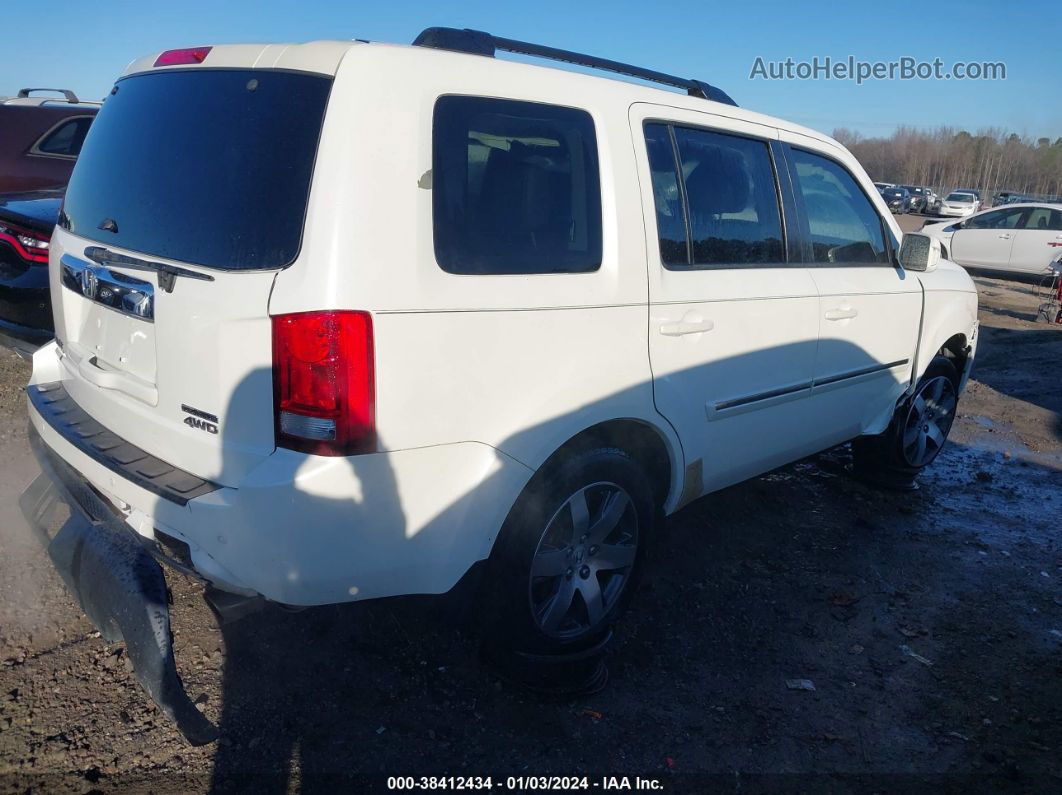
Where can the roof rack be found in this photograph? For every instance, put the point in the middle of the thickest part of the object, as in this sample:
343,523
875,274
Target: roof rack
71,97
476,42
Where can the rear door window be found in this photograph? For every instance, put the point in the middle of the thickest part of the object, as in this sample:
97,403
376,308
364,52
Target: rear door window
206,166
716,199
717,202
515,187
732,199
1044,219
842,225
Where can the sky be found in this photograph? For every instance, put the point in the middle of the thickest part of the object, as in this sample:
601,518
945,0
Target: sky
85,46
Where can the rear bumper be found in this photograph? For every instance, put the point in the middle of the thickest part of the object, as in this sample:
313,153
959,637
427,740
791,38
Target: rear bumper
113,574
306,530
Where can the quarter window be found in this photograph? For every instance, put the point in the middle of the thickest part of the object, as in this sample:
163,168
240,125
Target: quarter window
717,202
843,226
66,139
515,187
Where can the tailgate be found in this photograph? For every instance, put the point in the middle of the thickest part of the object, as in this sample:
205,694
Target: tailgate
188,197
185,376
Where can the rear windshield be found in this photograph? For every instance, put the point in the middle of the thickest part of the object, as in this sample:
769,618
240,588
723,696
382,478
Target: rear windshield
209,167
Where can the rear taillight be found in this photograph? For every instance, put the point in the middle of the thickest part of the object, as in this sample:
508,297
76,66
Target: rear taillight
30,245
189,55
323,382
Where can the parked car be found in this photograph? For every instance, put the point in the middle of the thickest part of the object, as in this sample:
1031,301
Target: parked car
882,186
933,201
407,360
960,203
26,224
898,200
1023,238
1006,197
40,138
918,198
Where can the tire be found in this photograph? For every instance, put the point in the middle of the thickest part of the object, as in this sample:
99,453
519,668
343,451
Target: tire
551,588
917,433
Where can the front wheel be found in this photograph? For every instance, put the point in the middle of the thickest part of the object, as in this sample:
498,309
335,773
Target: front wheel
917,432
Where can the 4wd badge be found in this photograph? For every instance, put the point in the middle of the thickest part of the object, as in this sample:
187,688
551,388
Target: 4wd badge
203,425
201,420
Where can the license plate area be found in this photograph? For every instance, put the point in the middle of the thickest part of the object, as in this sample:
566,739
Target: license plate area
110,318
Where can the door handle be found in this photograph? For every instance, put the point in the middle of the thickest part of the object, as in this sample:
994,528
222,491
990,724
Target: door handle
683,327
843,313
1005,236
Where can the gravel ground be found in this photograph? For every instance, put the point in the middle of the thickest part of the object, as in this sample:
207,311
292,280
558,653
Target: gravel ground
929,623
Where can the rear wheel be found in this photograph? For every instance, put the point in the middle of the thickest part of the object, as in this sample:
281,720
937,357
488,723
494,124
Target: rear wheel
583,561
917,432
567,561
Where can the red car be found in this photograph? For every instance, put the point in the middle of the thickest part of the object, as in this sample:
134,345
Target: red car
40,138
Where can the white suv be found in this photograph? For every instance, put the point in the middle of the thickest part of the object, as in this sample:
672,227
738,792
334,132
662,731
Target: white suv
340,320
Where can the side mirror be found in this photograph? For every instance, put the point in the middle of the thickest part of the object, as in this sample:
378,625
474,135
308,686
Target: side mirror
919,252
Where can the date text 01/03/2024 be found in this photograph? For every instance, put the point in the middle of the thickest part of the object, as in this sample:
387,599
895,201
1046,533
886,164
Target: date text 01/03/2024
523,783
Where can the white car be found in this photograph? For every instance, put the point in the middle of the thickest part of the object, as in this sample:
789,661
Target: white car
1025,238
959,204
341,321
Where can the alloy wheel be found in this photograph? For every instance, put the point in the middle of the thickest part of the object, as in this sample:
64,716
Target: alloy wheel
583,560
929,418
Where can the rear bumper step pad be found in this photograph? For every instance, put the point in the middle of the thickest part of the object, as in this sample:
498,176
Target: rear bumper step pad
75,425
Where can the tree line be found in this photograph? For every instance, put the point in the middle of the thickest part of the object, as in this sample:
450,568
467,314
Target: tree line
990,160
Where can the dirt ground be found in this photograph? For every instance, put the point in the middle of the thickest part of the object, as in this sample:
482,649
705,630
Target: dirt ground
930,624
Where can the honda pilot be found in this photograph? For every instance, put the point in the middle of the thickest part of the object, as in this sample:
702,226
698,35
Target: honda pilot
341,320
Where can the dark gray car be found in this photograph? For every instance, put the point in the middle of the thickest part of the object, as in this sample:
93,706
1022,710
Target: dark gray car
898,200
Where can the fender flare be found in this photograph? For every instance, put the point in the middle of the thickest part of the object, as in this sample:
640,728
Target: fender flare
548,442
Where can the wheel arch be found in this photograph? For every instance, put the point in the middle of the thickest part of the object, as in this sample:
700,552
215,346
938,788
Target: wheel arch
654,446
954,345
950,327
957,349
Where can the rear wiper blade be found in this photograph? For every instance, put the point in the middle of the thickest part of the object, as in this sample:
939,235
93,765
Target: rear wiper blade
167,273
